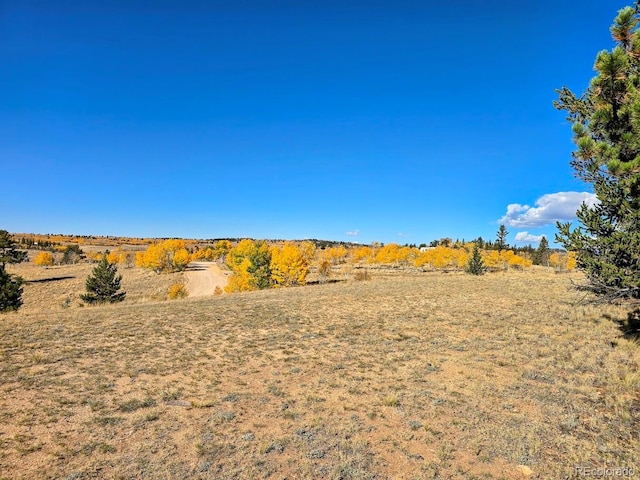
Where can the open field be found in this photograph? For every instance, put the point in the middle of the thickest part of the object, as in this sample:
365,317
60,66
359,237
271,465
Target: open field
59,287
404,376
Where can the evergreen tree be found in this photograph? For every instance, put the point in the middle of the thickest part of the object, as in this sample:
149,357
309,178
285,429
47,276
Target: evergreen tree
501,237
475,265
606,128
103,284
8,251
541,256
10,285
10,291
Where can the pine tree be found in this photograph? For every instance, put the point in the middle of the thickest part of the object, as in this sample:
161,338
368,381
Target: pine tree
501,237
103,284
10,291
541,256
606,128
10,285
475,265
8,251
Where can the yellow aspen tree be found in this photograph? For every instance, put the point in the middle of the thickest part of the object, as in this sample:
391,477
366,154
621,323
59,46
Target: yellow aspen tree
557,261
386,253
491,259
251,264
308,249
337,254
521,262
241,280
180,259
324,268
166,256
289,265
462,257
118,256
43,259
362,254
220,249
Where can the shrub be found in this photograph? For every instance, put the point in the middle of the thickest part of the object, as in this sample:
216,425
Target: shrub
177,290
324,269
362,275
72,255
43,259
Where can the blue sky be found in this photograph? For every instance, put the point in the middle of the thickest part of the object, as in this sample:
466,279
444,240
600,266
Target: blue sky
380,120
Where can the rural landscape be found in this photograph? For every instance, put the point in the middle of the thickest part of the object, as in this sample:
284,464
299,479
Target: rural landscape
281,253
381,369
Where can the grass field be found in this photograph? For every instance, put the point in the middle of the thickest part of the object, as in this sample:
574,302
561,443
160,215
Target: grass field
404,376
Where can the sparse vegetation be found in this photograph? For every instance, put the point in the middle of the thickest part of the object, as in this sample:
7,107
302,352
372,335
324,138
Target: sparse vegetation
407,375
176,291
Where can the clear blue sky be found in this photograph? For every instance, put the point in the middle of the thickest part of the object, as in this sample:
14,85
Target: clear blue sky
379,120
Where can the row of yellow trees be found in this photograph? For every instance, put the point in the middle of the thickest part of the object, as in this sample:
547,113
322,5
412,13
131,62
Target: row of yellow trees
257,265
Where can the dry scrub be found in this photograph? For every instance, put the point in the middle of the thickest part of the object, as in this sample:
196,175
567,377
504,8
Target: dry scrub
406,376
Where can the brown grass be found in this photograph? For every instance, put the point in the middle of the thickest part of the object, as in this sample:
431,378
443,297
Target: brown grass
57,288
404,376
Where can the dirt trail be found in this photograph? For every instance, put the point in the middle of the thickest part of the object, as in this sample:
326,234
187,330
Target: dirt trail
203,278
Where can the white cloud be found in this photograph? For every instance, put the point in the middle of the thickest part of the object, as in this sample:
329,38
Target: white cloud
526,237
549,209
353,233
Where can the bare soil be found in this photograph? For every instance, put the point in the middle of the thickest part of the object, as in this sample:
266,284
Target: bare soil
202,278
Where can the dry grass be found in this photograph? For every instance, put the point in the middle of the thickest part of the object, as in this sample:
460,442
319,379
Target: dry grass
404,376
57,288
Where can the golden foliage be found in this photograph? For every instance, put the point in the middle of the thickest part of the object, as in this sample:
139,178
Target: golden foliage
442,257
324,268
167,256
177,290
360,254
336,254
394,253
251,265
504,259
290,264
118,256
241,280
220,250
563,261
180,259
43,259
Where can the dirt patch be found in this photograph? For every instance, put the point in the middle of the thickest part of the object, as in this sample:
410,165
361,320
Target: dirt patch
202,278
